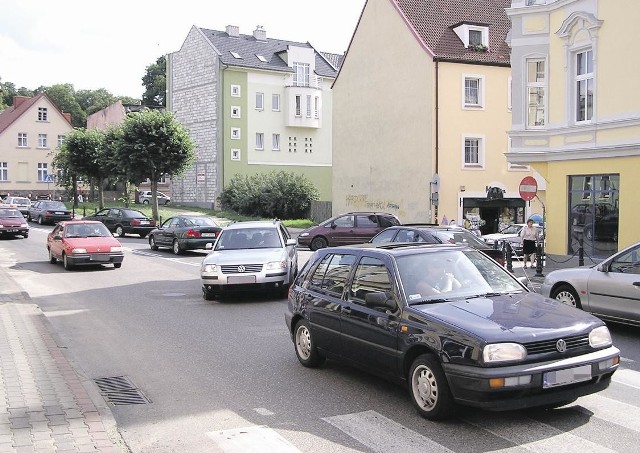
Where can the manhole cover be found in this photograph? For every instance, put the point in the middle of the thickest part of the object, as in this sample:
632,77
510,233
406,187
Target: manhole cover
119,391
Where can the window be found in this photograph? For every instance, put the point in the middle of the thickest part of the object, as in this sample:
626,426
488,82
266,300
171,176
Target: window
536,103
584,85
308,106
235,154
276,142
4,171
331,274
301,74
261,58
475,37
275,102
22,140
259,140
235,133
367,221
298,106
473,153
235,111
42,114
61,140
235,91
236,55
346,221
259,101
42,140
316,107
371,276
42,171
473,95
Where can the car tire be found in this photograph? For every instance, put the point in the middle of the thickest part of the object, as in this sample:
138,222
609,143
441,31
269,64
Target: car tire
305,345
429,388
175,247
317,243
117,265
152,243
567,295
119,231
145,201
65,261
207,295
52,259
29,218
143,235
588,233
25,236
40,220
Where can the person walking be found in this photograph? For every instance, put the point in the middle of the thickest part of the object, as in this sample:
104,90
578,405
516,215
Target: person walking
529,239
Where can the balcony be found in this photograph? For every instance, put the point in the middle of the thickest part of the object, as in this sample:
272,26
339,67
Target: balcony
312,81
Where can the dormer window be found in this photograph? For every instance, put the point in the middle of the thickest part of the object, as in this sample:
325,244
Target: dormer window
236,55
261,58
473,36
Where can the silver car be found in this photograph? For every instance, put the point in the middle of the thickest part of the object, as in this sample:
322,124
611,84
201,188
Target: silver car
609,290
250,256
509,234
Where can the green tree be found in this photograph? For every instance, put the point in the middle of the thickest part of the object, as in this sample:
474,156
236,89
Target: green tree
64,97
154,143
155,83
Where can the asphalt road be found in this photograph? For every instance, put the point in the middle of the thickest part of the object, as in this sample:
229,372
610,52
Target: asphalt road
223,376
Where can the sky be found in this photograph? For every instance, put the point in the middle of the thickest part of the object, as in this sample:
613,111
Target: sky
109,44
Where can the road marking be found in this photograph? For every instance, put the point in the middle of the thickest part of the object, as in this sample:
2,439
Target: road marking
381,434
627,377
263,411
252,438
157,255
610,410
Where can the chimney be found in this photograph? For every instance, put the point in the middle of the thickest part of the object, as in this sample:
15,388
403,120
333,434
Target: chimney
233,30
260,33
17,100
67,116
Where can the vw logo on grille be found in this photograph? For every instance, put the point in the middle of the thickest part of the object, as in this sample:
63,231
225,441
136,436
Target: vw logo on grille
241,269
561,345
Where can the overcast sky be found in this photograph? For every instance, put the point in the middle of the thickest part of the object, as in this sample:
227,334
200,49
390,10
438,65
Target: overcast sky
109,44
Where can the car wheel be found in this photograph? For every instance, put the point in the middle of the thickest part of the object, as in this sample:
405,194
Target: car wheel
152,243
117,265
306,350
318,242
588,233
145,201
207,295
177,250
66,263
119,231
52,259
429,389
567,295
40,220
143,235
29,218
25,236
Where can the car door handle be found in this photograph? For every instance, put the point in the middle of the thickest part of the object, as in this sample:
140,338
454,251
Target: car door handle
346,310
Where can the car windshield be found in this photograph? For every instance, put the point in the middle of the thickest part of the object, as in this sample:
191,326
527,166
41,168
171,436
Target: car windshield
200,221
133,214
20,200
511,229
452,274
460,237
248,238
57,205
86,231
5,213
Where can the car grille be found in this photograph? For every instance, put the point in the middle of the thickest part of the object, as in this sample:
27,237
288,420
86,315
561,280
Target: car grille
542,347
235,268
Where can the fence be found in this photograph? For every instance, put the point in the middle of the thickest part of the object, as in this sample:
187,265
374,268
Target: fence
320,210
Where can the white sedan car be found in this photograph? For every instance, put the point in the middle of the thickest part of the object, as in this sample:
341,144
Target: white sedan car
609,290
250,256
509,234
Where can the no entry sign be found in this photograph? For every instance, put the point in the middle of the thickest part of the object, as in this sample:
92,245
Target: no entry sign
528,188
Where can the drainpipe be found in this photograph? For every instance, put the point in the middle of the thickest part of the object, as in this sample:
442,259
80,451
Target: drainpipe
437,141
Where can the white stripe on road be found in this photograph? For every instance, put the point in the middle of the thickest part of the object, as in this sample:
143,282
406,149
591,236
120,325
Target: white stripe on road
612,411
627,377
157,255
381,434
252,438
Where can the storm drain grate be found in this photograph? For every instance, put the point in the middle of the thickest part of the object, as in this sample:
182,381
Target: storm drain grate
120,391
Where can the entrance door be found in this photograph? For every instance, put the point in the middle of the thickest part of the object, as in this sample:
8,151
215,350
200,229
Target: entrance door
491,218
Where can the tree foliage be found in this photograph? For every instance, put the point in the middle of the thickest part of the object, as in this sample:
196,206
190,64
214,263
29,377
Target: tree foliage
277,194
155,83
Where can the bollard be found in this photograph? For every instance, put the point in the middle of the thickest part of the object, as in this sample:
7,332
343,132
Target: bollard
580,251
507,252
84,211
539,253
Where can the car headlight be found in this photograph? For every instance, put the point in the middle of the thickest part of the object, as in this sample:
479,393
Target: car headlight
24,225
79,251
209,268
503,352
116,249
1,225
303,235
600,337
276,265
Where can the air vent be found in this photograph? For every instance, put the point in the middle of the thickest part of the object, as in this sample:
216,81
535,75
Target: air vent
120,391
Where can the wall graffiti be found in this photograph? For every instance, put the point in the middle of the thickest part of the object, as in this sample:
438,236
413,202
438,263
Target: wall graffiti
362,202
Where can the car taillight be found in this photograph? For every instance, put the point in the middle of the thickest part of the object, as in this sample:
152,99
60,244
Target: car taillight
135,222
193,234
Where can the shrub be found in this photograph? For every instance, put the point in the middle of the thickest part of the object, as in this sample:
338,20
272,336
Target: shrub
277,194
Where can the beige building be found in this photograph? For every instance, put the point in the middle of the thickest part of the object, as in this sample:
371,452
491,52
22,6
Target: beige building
576,117
421,113
31,131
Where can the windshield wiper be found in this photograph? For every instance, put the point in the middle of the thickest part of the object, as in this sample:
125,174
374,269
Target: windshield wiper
495,294
429,301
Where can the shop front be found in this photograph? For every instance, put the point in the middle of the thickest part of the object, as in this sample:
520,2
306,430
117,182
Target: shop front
492,215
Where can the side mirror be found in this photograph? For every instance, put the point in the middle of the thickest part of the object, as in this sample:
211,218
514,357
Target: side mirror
603,267
379,299
291,242
208,246
333,226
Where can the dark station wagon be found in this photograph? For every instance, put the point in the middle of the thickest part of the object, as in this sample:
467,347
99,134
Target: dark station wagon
448,322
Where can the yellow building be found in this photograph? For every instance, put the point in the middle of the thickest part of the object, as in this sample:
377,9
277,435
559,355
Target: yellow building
421,110
576,117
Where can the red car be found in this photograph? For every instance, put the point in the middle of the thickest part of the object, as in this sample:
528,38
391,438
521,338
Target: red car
12,223
83,242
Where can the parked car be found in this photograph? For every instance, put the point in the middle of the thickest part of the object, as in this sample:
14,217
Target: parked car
12,223
609,290
345,229
486,341
122,221
248,256
145,197
435,234
598,221
83,243
185,232
48,211
20,203
511,234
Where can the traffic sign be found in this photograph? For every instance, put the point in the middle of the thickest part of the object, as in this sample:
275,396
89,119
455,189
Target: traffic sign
528,188
49,177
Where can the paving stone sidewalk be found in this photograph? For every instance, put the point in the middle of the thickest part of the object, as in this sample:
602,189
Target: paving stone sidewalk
45,404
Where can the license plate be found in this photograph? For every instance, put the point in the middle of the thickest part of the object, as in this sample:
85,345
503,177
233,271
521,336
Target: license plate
565,377
11,231
241,279
59,213
100,258
208,235
144,222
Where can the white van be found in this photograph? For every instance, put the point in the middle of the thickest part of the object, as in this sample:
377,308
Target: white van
145,197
